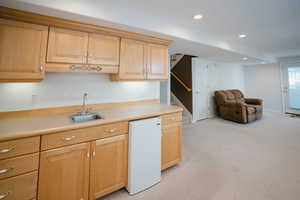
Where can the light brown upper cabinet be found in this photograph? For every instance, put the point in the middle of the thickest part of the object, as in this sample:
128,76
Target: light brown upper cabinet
64,173
132,60
108,165
103,49
22,51
157,62
142,61
67,46
75,51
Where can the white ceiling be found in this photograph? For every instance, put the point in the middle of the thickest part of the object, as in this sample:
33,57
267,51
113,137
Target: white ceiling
272,26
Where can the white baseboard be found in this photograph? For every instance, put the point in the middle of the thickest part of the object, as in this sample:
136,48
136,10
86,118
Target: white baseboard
277,112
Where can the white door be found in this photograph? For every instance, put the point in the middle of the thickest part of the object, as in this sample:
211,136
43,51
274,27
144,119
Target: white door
200,90
291,87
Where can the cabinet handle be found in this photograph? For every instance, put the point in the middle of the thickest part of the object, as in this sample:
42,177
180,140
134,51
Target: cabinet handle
84,67
3,196
6,150
4,171
72,67
111,130
94,151
41,68
99,68
78,67
68,138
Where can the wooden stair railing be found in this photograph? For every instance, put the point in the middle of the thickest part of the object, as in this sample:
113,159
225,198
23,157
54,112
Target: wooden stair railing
181,82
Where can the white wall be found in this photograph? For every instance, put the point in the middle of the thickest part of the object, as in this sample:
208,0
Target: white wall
263,81
230,76
218,76
59,89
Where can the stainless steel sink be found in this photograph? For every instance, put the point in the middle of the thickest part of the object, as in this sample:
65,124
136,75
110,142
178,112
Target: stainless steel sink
84,113
82,117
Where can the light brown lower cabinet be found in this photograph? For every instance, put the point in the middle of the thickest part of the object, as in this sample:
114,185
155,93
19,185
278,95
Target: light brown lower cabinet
64,173
21,187
67,173
93,169
18,165
108,165
171,145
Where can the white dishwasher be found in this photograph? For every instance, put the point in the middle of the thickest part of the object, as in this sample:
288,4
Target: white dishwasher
144,155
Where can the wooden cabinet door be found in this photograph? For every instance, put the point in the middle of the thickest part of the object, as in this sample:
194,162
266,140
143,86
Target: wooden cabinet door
171,145
103,49
108,165
67,46
64,173
157,62
132,60
22,51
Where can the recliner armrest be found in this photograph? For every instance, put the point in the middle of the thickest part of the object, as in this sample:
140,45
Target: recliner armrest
254,101
235,104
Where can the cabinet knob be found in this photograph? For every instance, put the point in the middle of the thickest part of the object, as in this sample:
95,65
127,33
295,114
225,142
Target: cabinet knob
99,68
68,138
41,68
72,67
6,150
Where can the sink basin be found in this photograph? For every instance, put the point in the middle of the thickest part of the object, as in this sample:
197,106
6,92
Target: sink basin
85,117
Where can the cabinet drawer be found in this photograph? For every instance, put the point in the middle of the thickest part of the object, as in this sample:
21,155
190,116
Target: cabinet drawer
19,165
21,187
19,147
171,119
83,135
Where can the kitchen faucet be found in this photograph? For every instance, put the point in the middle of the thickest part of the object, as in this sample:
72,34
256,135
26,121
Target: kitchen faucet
84,109
84,113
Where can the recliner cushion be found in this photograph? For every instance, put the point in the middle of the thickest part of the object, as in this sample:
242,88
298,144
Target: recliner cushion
229,95
258,108
238,95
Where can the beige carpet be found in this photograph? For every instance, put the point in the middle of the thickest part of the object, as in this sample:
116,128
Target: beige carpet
227,161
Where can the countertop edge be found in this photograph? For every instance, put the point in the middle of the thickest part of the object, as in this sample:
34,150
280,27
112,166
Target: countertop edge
26,134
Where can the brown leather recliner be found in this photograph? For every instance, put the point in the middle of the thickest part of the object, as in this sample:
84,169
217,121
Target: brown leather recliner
232,105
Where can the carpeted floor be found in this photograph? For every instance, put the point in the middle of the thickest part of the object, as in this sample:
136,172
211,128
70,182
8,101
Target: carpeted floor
223,160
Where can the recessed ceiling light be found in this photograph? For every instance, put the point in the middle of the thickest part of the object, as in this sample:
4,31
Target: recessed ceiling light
198,17
242,36
245,58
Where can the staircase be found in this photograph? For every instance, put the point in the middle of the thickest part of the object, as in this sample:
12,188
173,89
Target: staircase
186,115
181,84
175,59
